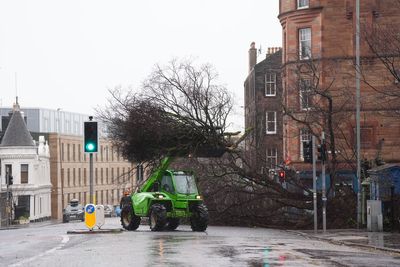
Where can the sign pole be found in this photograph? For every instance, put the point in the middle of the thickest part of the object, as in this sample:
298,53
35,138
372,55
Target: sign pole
91,178
8,209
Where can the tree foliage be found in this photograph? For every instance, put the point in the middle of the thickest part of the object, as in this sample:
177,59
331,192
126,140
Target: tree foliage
181,110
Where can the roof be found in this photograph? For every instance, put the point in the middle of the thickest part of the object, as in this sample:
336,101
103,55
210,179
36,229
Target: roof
17,133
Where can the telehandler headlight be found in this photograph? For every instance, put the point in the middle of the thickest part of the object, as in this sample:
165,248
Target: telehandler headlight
198,197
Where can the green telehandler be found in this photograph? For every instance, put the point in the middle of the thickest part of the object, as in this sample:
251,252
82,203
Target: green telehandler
165,198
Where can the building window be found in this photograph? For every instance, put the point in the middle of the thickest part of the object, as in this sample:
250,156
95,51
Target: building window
305,93
302,4
68,177
85,177
73,152
68,150
79,153
272,158
270,122
80,177
305,43
62,151
73,177
305,136
270,84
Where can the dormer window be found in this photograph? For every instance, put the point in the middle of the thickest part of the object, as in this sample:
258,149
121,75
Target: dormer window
302,4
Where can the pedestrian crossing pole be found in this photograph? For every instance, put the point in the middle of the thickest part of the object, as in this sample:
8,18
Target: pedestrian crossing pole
91,200
91,144
314,163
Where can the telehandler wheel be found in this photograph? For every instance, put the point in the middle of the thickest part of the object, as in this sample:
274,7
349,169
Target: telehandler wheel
199,219
129,220
172,223
158,217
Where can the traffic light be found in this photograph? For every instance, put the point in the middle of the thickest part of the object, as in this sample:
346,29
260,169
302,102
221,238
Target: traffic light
322,156
91,137
307,152
281,176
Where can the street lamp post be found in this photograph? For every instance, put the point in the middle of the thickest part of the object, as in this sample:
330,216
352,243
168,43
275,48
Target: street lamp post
60,156
358,135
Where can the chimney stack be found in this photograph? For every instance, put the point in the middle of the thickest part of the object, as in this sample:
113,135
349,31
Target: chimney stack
273,50
252,56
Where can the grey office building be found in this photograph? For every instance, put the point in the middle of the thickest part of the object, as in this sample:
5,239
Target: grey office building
43,120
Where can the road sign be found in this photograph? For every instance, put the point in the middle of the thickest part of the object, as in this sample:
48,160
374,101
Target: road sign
90,216
99,216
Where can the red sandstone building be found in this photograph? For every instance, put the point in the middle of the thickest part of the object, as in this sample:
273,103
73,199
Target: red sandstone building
318,55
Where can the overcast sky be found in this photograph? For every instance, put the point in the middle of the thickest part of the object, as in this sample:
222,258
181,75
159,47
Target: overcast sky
67,54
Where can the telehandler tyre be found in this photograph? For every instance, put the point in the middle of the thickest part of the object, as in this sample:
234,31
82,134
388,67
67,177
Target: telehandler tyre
199,219
158,217
129,220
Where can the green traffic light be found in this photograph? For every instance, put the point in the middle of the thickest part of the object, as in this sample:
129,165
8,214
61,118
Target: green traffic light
90,147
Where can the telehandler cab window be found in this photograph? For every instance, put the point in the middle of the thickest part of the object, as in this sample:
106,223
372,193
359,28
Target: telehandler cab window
167,185
185,184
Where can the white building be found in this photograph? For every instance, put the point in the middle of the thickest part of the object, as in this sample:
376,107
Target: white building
27,162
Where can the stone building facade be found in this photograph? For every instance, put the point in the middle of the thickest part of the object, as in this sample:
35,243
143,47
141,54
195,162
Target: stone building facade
318,57
112,174
26,163
263,109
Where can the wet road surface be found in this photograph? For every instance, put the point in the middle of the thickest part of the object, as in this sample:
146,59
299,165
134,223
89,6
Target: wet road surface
220,246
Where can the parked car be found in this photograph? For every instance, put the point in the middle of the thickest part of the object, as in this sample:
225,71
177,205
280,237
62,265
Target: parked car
73,211
108,211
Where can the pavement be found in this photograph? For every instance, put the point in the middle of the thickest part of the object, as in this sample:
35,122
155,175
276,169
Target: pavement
385,241
31,224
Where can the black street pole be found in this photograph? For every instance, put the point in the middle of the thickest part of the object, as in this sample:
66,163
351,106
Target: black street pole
91,178
314,162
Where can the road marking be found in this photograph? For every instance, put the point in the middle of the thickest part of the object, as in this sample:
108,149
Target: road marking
64,241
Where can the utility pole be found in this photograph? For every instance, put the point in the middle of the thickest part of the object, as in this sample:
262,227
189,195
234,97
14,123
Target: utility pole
358,135
314,161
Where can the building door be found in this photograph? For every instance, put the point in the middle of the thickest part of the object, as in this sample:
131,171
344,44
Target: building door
23,207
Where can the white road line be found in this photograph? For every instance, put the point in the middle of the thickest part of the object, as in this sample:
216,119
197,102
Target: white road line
64,241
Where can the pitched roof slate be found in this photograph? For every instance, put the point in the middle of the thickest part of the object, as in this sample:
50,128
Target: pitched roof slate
17,133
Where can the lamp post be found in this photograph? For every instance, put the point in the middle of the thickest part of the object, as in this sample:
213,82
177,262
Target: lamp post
60,156
358,135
